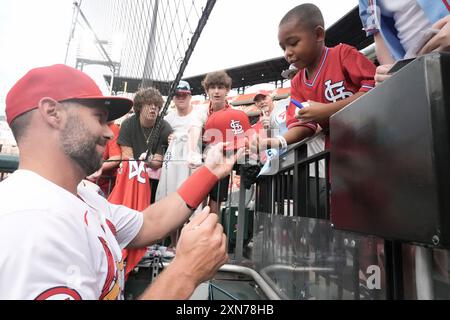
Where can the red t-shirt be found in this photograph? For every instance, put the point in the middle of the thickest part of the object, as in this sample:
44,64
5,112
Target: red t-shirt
211,111
342,72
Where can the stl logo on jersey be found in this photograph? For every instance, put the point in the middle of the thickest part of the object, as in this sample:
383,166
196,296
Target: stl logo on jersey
336,91
236,127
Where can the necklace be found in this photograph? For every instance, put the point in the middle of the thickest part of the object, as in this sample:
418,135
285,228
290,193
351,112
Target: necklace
146,132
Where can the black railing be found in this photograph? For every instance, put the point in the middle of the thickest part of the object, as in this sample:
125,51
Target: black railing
300,188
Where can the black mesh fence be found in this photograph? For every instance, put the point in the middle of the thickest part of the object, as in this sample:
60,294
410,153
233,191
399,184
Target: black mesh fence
146,41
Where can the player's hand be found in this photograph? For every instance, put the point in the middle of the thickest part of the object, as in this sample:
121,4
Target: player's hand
314,112
202,247
381,73
441,40
220,164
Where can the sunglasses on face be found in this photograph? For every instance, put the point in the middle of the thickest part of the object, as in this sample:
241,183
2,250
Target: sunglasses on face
181,95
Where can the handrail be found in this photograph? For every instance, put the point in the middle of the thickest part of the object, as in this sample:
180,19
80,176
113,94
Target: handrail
265,287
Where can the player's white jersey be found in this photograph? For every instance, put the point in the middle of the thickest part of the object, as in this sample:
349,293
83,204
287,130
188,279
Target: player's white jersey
55,245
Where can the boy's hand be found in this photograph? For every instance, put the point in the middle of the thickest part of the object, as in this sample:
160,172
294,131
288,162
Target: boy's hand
315,112
441,41
258,144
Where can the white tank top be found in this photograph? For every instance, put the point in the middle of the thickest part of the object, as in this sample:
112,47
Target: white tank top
409,19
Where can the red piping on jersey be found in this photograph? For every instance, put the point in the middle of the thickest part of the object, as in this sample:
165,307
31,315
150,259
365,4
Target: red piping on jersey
110,275
111,227
325,54
58,291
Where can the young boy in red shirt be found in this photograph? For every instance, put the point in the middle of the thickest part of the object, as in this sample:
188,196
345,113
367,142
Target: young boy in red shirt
328,78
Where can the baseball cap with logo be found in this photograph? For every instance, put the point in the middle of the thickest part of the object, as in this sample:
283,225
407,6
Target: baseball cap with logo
183,87
227,125
261,93
61,83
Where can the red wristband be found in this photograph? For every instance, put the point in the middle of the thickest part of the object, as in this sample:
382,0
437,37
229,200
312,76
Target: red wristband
197,187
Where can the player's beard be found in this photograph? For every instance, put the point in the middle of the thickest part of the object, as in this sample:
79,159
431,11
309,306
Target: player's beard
80,145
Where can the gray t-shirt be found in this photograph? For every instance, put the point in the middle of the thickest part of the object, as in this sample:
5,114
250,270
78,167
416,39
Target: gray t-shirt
131,135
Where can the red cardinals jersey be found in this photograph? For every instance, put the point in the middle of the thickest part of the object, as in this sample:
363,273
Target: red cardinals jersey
342,72
132,190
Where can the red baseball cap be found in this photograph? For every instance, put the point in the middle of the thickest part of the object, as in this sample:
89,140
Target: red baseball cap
227,125
60,82
261,93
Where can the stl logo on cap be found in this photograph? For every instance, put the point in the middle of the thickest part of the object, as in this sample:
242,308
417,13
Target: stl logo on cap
227,125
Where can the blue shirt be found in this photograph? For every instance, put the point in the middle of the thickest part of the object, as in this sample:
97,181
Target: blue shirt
374,20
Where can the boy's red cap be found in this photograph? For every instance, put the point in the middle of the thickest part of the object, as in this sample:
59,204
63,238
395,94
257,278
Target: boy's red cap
227,125
60,83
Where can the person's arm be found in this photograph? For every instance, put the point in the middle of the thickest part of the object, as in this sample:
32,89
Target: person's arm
156,162
441,41
124,140
201,250
385,59
370,16
293,135
202,246
127,152
169,213
321,112
383,54
113,162
194,151
158,157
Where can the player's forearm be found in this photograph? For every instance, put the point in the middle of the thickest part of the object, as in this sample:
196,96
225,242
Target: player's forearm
172,284
171,212
161,218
